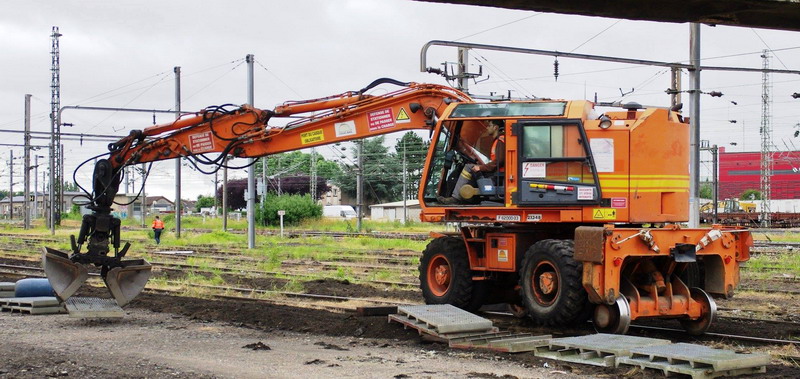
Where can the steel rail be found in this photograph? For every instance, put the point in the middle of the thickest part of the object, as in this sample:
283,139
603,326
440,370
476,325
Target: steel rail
722,335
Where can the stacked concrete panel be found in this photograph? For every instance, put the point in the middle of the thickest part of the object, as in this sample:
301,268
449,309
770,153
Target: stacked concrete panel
464,330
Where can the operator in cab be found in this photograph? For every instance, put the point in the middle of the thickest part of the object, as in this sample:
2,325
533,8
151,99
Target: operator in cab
469,175
497,157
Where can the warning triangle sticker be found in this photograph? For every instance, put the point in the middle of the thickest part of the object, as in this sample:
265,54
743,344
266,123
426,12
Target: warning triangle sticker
598,214
402,116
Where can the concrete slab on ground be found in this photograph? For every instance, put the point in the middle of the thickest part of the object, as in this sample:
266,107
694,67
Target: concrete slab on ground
174,252
696,360
32,305
38,310
502,341
596,349
431,333
93,307
445,318
39,301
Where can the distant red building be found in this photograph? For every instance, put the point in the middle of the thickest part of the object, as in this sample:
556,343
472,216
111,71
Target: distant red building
739,172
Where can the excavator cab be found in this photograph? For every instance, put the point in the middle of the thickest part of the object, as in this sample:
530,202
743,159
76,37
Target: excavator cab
544,150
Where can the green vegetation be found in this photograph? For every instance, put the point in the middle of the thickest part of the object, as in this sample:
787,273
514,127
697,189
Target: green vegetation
763,266
297,208
344,273
203,202
751,194
291,286
270,253
349,226
778,237
706,190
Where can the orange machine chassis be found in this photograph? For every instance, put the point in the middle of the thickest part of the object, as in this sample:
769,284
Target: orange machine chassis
613,256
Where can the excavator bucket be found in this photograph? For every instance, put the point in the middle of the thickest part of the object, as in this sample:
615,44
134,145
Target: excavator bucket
64,275
126,282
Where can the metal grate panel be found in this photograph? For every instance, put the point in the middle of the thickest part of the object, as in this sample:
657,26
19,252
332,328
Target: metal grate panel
93,307
445,318
696,360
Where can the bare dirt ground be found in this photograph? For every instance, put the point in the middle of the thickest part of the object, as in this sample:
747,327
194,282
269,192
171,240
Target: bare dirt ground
164,345
167,336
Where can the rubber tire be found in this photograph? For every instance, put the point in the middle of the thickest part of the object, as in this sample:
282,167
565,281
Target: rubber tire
692,276
461,291
570,305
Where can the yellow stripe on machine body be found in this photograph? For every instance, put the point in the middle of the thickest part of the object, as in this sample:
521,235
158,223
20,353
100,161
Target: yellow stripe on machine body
644,183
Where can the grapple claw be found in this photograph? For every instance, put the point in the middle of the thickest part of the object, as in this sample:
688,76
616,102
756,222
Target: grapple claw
64,275
127,281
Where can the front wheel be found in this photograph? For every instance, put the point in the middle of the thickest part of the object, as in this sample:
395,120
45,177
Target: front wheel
445,276
550,283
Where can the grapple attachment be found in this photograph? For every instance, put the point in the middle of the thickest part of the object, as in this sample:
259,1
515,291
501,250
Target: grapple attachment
125,280
64,276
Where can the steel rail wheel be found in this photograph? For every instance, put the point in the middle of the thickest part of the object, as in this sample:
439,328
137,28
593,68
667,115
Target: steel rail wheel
614,319
701,325
550,282
445,276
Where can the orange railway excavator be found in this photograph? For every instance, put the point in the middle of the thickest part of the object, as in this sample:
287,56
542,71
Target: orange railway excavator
580,220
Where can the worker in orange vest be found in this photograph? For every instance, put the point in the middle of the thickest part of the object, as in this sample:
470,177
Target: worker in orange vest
158,227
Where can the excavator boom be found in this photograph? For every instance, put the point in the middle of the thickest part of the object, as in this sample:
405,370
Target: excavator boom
228,131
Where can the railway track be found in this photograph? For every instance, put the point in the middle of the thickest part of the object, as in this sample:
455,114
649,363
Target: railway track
235,262
349,304
238,271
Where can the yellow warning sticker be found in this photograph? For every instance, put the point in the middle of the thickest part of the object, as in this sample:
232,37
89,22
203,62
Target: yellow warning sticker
502,255
402,117
604,214
312,137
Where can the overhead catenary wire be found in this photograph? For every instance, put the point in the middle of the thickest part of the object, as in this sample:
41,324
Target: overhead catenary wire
128,102
595,36
241,62
507,78
498,26
278,78
769,48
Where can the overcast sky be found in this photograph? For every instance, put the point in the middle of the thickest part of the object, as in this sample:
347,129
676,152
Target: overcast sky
122,54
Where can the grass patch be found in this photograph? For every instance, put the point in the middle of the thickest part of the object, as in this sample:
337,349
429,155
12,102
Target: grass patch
204,264
778,237
788,262
344,273
385,275
386,243
349,226
210,280
292,285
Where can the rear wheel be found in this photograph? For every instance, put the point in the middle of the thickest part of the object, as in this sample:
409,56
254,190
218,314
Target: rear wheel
445,276
691,275
550,283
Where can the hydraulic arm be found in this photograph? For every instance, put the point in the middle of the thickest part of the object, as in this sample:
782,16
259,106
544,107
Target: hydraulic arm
235,131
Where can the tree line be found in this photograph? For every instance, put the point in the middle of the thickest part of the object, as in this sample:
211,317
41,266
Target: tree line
290,173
